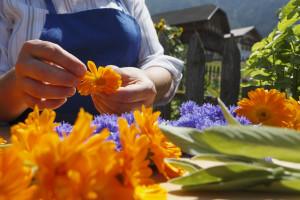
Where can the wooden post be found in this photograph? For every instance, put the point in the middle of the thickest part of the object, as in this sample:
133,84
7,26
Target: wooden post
230,75
165,109
195,70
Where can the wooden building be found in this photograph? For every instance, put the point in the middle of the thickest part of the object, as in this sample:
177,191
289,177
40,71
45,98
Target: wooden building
208,20
245,37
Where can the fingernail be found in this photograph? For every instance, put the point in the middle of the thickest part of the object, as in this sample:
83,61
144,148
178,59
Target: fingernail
82,70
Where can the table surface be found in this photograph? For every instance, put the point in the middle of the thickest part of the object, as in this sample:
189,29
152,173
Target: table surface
175,192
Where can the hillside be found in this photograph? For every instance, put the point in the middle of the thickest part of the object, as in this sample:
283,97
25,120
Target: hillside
261,14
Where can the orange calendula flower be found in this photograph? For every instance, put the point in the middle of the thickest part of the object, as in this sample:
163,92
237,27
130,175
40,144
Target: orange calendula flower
266,107
15,178
150,192
79,166
295,107
104,80
136,170
28,134
160,147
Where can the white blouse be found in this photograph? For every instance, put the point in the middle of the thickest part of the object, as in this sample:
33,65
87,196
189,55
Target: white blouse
22,20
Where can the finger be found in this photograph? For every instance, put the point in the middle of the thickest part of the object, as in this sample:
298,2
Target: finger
42,71
54,53
41,90
43,103
129,94
98,105
117,107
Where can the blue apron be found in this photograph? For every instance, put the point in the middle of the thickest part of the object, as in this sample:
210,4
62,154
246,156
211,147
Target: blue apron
105,36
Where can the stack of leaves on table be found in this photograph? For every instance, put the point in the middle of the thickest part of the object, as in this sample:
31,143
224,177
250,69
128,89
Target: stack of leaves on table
259,158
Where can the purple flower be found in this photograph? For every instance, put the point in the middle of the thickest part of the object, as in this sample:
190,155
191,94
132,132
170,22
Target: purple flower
201,117
129,117
63,129
188,107
105,121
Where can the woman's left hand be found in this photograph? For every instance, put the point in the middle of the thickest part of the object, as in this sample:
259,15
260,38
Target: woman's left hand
136,90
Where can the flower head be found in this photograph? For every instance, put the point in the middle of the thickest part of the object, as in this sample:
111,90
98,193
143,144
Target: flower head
103,79
136,170
160,146
15,178
266,107
29,133
295,107
74,166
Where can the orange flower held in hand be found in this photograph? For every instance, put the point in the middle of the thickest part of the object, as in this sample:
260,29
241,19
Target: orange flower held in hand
104,80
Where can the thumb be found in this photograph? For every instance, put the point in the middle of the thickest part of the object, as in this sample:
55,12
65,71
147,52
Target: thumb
115,68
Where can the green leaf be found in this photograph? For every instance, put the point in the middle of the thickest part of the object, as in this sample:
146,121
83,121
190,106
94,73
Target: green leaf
259,45
271,35
229,118
222,173
184,138
288,21
259,72
183,164
253,141
221,158
232,185
296,29
283,186
290,7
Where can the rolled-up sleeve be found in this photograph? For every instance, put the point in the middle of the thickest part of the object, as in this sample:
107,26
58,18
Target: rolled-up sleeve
5,33
151,52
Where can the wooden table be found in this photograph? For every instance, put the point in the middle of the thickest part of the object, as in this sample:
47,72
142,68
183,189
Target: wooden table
175,193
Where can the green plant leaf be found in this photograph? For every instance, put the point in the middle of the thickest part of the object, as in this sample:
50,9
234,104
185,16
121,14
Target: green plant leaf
253,141
290,7
259,45
229,118
222,173
288,21
283,186
296,29
221,158
184,138
259,72
184,164
232,185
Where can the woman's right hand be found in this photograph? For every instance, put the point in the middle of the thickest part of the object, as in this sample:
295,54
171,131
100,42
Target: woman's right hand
46,74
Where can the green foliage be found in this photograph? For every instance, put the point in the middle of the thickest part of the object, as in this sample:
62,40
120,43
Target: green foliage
258,158
275,60
213,82
176,49
172,33
230,119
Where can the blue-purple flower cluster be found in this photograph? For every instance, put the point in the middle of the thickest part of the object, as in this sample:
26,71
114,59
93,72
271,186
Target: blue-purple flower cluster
201,117
192,115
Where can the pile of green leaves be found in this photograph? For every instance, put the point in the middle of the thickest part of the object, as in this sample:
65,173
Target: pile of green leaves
259,158
275,61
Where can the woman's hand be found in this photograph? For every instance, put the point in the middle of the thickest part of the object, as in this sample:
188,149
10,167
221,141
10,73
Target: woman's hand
46,75
137,89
